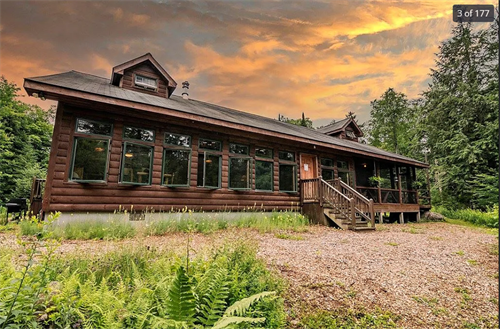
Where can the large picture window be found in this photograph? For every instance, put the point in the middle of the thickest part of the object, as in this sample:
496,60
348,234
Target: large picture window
136,164
90,151
240,168
264,175
137,156
90,159
209,170
287,172
176,160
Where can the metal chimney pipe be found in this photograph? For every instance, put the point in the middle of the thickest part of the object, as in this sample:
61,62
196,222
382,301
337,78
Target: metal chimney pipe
185,90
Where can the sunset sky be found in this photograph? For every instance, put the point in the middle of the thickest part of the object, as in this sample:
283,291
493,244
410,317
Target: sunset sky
324,58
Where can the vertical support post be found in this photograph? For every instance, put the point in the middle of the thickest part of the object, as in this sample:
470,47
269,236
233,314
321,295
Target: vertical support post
380,217
401,218
399,185
418,216
353,213
379,191
320,191
372,213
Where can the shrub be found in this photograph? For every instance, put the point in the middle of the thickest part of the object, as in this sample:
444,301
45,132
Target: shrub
476,217
145,288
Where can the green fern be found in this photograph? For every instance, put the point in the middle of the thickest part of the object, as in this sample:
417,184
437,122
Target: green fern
180,304
212,298
240,307
225,322
235,313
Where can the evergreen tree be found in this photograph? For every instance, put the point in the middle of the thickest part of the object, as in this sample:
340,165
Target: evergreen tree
389,124
460,111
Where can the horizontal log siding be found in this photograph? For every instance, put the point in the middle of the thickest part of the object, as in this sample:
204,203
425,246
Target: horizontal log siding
68,196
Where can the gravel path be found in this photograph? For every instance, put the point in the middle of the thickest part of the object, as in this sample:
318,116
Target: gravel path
433,275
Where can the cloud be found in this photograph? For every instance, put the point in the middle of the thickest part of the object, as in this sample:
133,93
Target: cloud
319,57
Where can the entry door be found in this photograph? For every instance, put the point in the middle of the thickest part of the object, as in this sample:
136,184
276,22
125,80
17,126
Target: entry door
308,166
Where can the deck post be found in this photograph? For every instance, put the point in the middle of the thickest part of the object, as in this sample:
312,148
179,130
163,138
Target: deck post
401,218
353,214
380,217
418,216
320,191
372,213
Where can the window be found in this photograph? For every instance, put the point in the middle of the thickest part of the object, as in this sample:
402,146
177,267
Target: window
350,134
287,156
287,172
206,144
264,175
209,163
145,135
91,127
240,168
209,169
344,173
137,164
240,173
288,178
176,160
261,152
327,169
145,82
90,153
177,140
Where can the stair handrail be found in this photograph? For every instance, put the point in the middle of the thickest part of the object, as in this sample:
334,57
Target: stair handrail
354,191
347,212
362,198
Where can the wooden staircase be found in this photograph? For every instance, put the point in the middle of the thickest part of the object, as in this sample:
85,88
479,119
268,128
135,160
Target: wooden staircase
342,205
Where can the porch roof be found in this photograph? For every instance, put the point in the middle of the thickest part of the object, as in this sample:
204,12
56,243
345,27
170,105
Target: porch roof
64,84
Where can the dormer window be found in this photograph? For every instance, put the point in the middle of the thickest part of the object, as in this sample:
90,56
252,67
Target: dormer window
350,134
145,82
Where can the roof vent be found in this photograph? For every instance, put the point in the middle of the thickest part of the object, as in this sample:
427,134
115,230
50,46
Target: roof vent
185,90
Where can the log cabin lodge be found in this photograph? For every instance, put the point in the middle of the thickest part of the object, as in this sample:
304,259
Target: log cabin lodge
128,141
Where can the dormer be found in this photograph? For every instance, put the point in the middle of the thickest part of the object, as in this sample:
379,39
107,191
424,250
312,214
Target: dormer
143,74
343,129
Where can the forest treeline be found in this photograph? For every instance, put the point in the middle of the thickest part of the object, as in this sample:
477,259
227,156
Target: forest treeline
454,124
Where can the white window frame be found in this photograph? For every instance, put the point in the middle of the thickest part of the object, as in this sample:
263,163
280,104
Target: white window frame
145,84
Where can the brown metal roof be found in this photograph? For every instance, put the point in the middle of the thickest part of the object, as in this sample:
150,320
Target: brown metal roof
101,86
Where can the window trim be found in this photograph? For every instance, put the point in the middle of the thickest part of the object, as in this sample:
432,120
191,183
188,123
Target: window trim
288,163
73,155
250,176
210,140
96,121
272,174
138,140
188,184
205,170
122,164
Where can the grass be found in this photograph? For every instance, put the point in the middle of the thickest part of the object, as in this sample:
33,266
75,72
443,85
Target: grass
285,236
394,244
472,262
486,219
208,223
460,253
132,288
493,249
436,238
348,319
